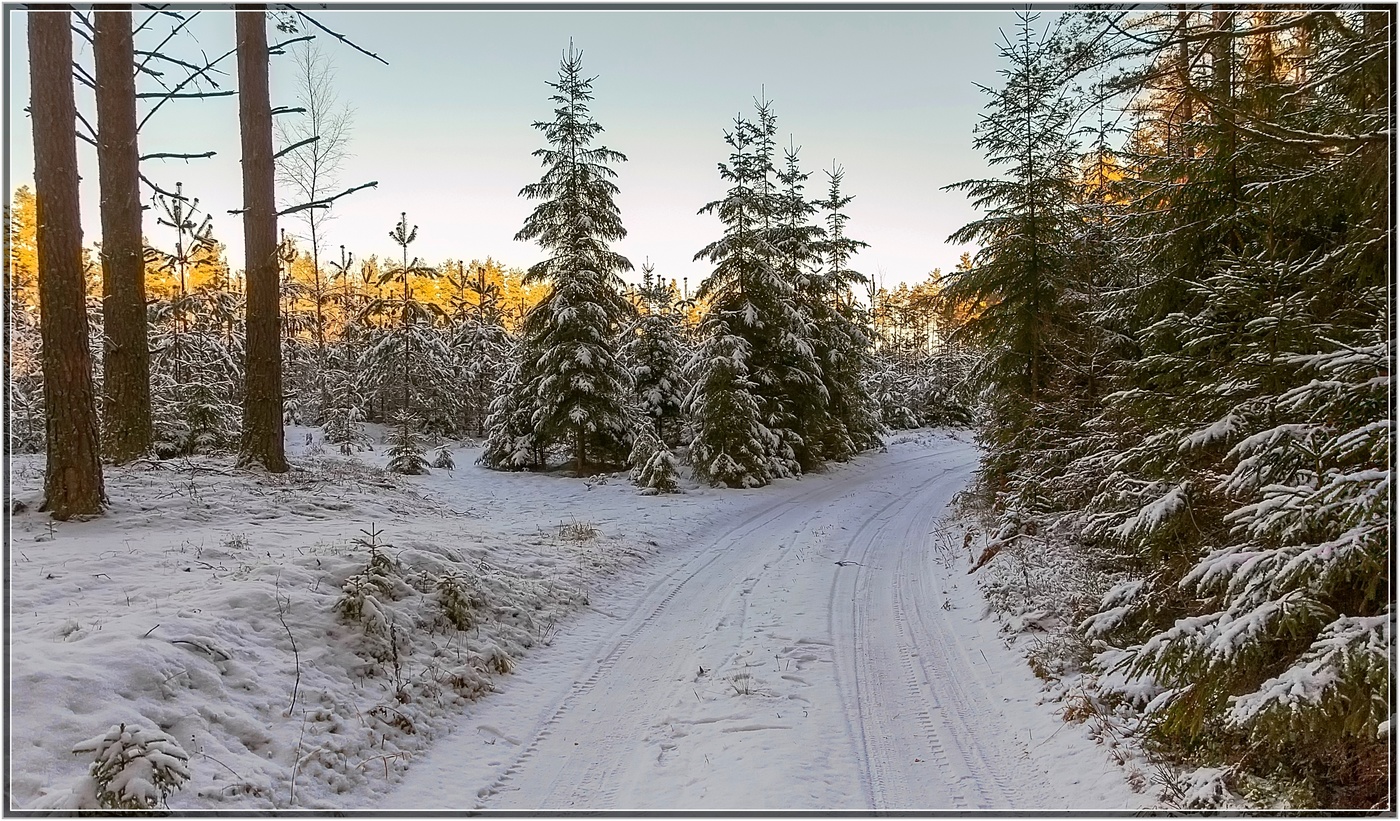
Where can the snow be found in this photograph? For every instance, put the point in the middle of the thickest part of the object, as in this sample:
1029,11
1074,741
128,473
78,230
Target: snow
1154,514
795,646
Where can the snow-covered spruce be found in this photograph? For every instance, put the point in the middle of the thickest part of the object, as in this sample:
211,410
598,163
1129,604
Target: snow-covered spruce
571,384
654,466
656,353
405,452
752,346
133,768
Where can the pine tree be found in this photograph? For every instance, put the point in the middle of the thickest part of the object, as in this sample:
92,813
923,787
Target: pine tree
511,443
405,452
842,336
406,361
654,466
576,387
796,245
262,438
73,472
126,417
480,344
1244,486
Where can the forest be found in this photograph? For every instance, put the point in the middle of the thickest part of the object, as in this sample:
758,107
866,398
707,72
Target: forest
1173,341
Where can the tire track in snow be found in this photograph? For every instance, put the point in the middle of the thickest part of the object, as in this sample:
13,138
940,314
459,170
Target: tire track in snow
917,695
604,762
883,721
978,725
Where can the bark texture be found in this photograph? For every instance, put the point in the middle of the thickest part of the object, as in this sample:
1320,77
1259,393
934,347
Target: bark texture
73,475
126,361
262,398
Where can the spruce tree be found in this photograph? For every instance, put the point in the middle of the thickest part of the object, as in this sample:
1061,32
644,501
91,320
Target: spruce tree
796,245
842,335
732,445
1018,274
575,385
655,353
755,335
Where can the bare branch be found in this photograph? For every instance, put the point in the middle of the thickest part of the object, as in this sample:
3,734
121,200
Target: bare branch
278,48
325,203
295,146
155,55
187,95
284,109
341,37
203,72
184,21
82,76
156,188
84,120
156,11
164,155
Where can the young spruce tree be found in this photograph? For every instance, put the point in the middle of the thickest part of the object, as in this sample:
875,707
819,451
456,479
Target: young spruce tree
570,378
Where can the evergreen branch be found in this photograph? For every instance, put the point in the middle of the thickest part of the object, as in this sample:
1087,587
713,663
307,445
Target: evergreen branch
294,146
325,203
169,156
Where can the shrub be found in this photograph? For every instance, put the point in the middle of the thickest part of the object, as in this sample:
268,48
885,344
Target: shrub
135,768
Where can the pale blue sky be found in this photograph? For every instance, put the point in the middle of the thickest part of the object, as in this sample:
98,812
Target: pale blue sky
445,128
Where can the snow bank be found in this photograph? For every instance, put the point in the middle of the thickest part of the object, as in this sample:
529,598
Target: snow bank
204,604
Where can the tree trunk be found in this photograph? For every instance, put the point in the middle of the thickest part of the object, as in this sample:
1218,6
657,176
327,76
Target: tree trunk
73,474
262,397
126,361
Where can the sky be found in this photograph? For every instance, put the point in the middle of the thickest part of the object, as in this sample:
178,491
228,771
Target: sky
445,128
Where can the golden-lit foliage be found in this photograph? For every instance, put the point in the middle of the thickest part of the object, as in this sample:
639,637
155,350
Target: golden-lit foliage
22,265
455,289
921,317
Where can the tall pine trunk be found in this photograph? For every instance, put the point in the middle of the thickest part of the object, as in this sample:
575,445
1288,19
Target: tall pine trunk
126,363
262,397
73,474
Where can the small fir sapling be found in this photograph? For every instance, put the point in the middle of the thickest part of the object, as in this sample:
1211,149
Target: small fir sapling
362,592
457,600
654,467
443,459
405,454
134,768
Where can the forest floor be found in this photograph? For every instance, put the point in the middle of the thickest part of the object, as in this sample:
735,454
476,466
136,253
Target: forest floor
814,644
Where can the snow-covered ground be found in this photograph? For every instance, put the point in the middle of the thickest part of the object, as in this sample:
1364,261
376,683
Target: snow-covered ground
807,645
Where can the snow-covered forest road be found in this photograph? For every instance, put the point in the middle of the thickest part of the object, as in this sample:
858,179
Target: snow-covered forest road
818,647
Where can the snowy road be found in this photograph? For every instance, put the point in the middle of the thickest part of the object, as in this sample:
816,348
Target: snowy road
809,651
